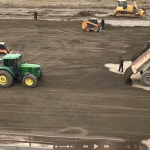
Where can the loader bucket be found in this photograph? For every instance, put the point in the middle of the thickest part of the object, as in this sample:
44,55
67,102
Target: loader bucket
128,74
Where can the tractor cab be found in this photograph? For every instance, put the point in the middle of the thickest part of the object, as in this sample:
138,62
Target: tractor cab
13,62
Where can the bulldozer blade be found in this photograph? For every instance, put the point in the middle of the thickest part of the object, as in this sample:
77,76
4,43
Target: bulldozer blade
128,74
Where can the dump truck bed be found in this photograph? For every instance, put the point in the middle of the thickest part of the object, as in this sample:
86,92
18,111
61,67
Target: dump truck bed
140,52
140,60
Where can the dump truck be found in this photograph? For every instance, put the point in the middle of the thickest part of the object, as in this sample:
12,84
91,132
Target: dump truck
12,67
91,25
140,63
129,10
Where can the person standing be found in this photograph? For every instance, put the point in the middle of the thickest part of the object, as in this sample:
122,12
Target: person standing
120,64
35,15
102,24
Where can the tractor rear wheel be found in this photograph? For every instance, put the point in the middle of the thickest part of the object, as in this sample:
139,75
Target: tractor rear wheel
145,78
87,29
29,81
6,79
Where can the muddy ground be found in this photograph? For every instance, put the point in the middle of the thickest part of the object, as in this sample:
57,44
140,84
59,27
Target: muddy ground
78,95
66,3
62,14
63,9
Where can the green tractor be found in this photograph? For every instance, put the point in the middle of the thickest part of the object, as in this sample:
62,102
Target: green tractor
14,68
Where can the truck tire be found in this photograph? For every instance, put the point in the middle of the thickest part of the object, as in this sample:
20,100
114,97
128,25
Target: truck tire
41,76
29,81
145,78
6,79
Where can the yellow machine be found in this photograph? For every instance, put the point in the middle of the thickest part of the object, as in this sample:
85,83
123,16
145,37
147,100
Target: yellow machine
128,10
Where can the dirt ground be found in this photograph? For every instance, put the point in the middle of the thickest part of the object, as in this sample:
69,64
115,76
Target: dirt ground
65,3
64,14
78,95
63,9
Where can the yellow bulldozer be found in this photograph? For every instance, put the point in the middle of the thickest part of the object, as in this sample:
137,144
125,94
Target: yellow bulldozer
123,9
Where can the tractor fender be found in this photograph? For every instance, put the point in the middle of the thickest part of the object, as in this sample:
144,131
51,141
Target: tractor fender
25,74
8,70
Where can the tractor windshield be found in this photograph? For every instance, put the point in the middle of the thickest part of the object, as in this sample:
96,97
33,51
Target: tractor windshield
1,61
14,65
11,63
20,61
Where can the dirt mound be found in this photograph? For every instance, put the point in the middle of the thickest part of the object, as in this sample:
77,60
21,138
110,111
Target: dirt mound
99,79
84,13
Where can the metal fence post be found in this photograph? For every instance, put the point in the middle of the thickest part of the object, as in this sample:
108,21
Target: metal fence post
29,141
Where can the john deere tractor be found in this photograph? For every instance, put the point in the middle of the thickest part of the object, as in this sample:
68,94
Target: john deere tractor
14,68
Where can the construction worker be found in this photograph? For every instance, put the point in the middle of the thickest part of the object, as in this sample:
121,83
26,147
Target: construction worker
102,24
35,15
120,64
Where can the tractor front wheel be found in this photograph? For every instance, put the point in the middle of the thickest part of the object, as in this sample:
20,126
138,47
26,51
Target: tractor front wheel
29,81
6,79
